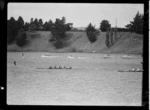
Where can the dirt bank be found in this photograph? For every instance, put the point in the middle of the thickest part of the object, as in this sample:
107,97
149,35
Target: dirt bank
127,43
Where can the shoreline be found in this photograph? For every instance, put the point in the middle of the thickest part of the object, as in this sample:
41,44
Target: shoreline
80,52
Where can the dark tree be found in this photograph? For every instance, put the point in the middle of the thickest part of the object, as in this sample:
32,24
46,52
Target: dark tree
40,24
26,26
20,23
91,33
21,38
69,26
104,25
50,25
47,26
58,31
137,24
111,37
12,29
36,23
32,27
107,41
31,21
129,26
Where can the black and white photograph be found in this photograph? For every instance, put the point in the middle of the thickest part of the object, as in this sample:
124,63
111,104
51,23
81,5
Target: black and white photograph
82,54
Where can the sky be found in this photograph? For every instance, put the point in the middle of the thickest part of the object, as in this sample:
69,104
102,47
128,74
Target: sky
80,14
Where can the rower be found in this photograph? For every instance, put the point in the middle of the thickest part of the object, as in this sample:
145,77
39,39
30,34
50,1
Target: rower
60,67
50,67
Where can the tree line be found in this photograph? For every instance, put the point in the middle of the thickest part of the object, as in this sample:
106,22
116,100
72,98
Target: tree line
111,32
137,24
134,26
16,30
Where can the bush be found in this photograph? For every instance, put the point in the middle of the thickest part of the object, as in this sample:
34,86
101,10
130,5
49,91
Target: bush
107,40
12,30
58,44
21,38
73,49
32,28
92,37
92,33
59,32
51,40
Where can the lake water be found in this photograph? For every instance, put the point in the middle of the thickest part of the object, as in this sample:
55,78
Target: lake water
93,79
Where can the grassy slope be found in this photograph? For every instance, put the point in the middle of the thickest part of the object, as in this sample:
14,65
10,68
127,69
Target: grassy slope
127,43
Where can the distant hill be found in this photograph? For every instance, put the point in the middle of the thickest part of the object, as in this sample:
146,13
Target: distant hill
78,42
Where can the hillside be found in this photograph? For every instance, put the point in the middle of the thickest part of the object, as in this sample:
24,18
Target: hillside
78,42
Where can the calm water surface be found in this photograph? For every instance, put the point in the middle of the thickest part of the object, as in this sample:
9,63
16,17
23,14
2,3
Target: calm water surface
94,80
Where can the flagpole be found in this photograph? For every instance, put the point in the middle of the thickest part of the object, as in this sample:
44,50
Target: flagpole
116,22
116,31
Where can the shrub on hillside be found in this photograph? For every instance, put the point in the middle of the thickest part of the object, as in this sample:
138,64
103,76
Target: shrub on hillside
92,37
21,39
107,41
59,32
58,44
51,40
73,49
92,33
